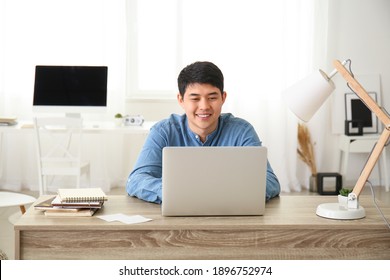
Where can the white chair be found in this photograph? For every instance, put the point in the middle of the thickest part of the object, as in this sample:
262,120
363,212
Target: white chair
59,141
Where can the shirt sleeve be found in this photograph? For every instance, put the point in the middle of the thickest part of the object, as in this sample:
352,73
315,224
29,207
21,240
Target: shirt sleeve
145,180
273,185
249,137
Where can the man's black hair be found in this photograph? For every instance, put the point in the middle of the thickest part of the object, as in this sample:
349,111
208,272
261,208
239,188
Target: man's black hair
200,72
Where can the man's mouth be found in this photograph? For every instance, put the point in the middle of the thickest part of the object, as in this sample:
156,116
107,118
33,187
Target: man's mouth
203,116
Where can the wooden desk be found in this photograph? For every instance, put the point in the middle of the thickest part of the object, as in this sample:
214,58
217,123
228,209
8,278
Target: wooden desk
289,229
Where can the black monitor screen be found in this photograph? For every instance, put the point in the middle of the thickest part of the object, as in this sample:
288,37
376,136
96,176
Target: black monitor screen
360,112
70,86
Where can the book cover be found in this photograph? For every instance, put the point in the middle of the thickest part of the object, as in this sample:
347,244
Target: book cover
78,213
54,204
60,209
82,195
44,205
88,204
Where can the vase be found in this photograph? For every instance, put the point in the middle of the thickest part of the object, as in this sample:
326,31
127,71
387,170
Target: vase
313,183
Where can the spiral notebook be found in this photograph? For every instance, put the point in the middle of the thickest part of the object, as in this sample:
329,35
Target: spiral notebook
82,195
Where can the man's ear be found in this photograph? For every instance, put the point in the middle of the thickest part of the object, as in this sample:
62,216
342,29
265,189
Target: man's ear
180,99
224,95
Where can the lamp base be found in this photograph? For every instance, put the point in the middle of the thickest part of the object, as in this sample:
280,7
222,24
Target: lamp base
339,212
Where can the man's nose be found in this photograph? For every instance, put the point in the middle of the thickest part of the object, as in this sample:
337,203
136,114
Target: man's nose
204,103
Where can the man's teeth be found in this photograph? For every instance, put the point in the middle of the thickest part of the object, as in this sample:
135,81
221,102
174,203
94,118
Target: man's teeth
203,116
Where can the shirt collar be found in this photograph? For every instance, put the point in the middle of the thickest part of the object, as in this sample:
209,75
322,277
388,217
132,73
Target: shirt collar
196,137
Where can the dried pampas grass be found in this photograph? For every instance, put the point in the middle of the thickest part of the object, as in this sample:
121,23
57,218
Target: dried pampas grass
305,150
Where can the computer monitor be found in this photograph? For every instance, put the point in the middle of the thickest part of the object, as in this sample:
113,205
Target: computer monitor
70,89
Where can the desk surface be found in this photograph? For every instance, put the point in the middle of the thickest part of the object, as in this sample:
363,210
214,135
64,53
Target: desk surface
289,229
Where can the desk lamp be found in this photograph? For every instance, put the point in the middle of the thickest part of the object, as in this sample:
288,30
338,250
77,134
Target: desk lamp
306,97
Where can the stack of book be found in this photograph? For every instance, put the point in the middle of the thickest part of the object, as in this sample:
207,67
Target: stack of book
73,202
7,121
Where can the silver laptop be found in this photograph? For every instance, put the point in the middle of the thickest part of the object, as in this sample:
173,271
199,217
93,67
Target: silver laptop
213,181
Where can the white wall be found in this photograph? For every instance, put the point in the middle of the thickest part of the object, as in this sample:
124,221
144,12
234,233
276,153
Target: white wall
153,110
359,30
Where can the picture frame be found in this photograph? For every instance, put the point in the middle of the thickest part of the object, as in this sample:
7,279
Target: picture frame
357,112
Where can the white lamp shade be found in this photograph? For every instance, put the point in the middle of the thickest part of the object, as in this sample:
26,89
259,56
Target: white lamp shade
307,96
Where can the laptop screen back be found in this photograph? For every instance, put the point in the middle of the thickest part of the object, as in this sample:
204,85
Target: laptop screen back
209,181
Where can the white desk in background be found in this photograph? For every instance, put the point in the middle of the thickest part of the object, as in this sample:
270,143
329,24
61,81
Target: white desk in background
112,151
362,144
89,127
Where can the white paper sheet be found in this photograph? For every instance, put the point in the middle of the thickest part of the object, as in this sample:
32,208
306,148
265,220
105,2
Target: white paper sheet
134,219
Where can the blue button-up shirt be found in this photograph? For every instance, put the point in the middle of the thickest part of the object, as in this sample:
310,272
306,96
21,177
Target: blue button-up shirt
145,180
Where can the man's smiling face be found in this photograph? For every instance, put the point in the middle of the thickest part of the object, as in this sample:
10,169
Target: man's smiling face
202,104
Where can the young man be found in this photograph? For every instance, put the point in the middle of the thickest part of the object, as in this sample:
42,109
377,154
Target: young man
201,95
